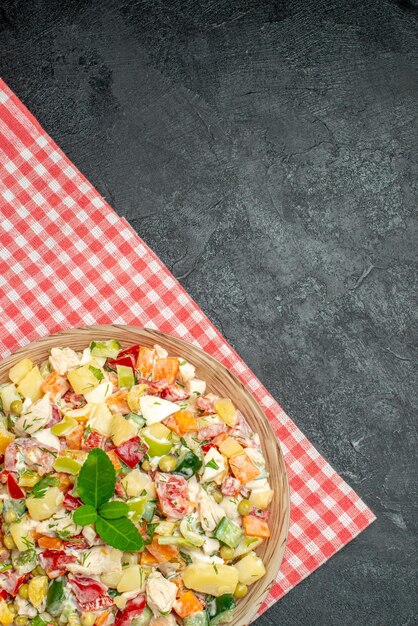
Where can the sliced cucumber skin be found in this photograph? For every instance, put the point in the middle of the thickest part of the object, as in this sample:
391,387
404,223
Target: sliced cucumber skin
198,619
228,532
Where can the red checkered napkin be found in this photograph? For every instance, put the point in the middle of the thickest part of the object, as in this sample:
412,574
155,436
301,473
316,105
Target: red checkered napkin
66,259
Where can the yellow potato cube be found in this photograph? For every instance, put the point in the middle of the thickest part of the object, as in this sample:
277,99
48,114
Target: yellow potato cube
206,578
20,533
122,430
133,397
6,616
250,569
83,378
111,579
132,578
226,411
30,385
8,394
101,419
230,447
5,438
19,371
261,499
42,508
37,590
136,482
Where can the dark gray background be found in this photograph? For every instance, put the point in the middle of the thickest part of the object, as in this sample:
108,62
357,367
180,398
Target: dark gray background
265,151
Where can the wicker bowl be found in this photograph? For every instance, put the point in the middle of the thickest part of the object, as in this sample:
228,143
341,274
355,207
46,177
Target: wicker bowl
222,382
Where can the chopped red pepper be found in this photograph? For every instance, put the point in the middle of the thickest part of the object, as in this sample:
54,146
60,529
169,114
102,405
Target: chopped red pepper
132,452
127,360
71,503
133,609
132,350
90,594
13,488
207,446
55,562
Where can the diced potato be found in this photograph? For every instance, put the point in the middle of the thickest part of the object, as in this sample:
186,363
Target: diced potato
133,397
101,419
19,371
6,615
83,378
30,385
132,578
136,482
8,394
81,415
29,478
100,393
213,580
20,533
261,499
250,569
42,508
5,438
122,430
230,447
226,411
37,590
111,579
247,544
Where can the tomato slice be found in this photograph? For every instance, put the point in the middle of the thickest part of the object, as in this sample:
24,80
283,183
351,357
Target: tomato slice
55,562
173,494
132,452
71,503
132,610
13,488
11,581
90,594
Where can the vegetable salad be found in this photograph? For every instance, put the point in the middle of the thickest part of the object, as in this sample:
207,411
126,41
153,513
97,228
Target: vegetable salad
129,494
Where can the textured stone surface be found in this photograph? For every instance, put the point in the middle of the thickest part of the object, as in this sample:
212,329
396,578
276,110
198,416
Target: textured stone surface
266,152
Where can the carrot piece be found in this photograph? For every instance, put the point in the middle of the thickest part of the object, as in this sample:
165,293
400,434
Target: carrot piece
178,581
162,553
117,402
51,543
255,527
56,385
219,439
147,558
187,605
145,361
243,468
75,438
166,369
114,459
101,619
171,423
64,483
186,421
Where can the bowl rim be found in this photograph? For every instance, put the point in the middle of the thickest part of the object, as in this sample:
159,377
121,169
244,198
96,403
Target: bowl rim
266,582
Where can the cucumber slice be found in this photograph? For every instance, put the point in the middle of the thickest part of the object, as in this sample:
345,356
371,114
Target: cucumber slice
109,349
188,464
221,609
228,532
125,376
190,531
149,511
197,619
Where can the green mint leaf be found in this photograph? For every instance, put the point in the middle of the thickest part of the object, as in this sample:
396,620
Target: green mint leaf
213,464
97,479
85,515
114,510
41,488
120,533
97,373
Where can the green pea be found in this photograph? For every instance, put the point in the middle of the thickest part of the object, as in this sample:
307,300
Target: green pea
244,507
16,407
167,463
